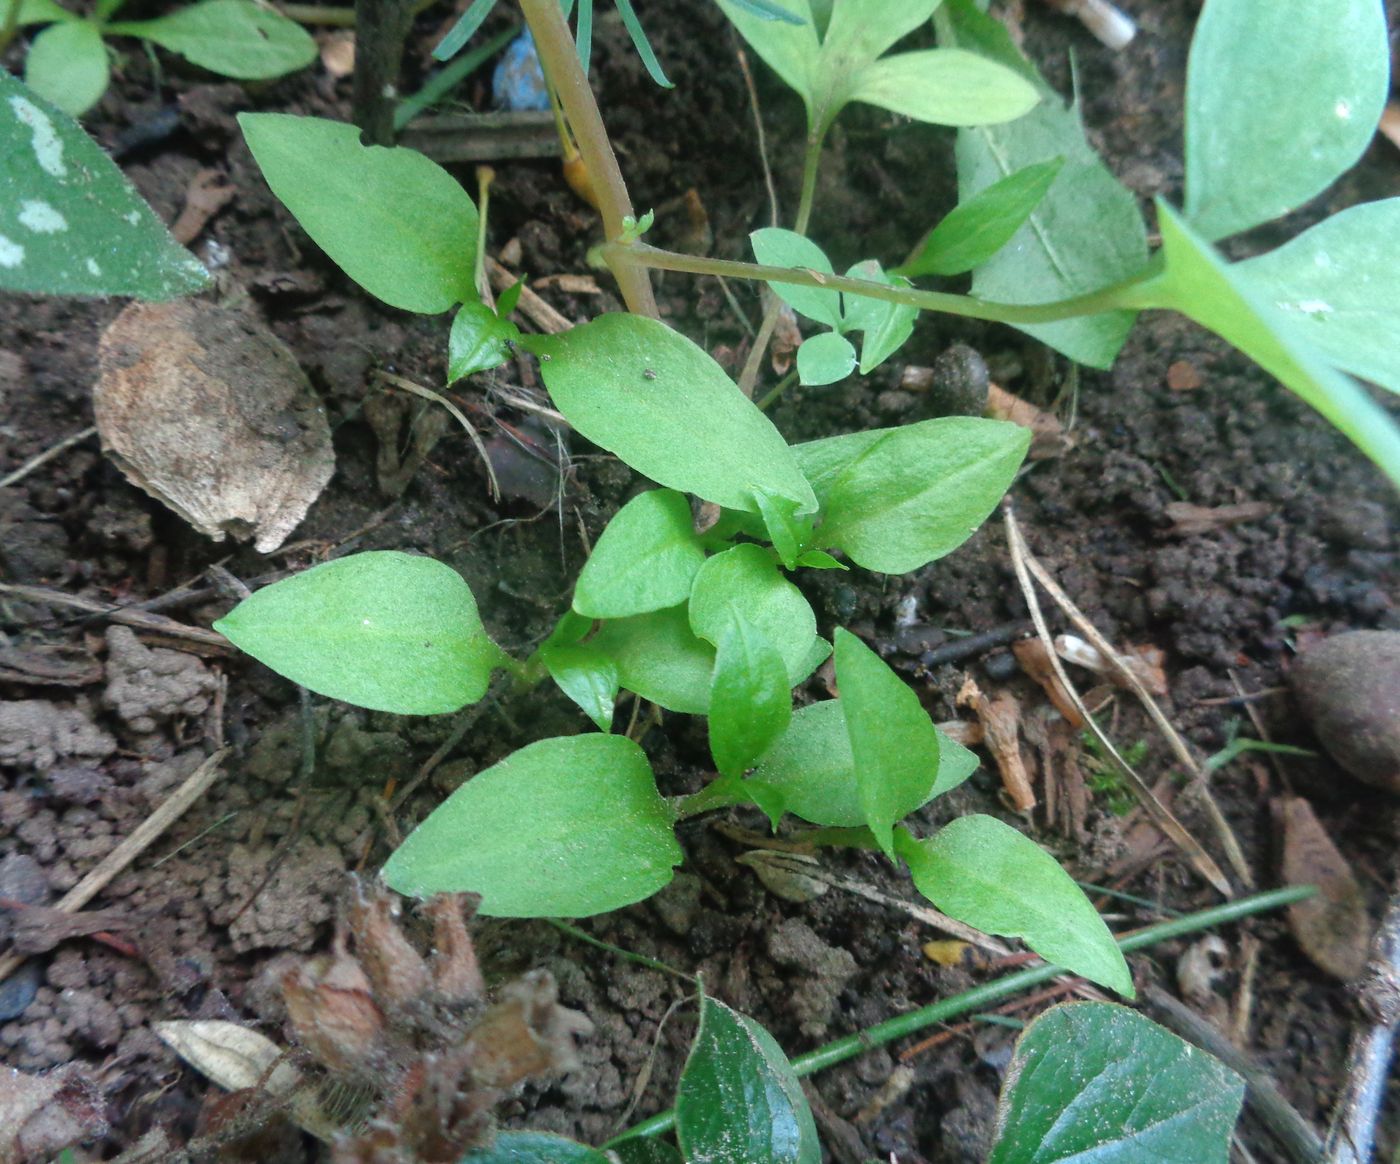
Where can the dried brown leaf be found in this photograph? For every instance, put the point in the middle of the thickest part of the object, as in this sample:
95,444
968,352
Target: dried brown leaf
1332,927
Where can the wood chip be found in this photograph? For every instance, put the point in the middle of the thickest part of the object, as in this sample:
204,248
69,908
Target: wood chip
1390,123
1189,520
1184,376
1000,719
209,192
1048,436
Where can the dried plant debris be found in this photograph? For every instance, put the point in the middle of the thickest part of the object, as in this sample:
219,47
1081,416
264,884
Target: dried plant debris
207,411
403,1058
1332,927
40,1115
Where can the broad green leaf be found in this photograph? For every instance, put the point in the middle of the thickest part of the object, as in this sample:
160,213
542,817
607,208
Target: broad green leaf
535,1148
235,38
789,47
987,874
1199,284
67,64
810,770
393,220
1094,1081
744,584
894,745
479,340
1087,232
825,358
646,1149
983,224
1338,285
896,499
820,560
788,532
645,559
739,1100
776,247
383,630
885,325
750,698
1281,100
70,222
565,827
587,676
645,392
37,12
660,658
946,86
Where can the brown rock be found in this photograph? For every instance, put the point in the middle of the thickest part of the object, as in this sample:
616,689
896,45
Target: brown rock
1349,689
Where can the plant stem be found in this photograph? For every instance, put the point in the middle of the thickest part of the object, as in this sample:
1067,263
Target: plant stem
811,164
719,793
561,65
9,25
1112,298
981,996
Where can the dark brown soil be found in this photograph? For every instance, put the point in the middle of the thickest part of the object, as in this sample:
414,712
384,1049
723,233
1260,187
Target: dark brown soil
253,873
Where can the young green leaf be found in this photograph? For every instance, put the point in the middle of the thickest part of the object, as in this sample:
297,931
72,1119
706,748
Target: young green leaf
739,1100
885,325
1281,100
36,12
945,86
894,745
789,47
645,559
479,340
1199,284
987,874
383,630
67,64
587,676
750,698
775,247
981,225
810,770
643,391
565,827
1094,1081
660,658
825,358
820,560
1086,233
744,584
896,499
1338,284
393,220
236,38
70,222
788,532
535,1148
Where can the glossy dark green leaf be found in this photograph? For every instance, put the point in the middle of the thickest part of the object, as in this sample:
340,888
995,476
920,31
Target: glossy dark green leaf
393,220
235,38
70,222
750,698
825,358
776,247
810,770
1281,100
1085,234
535,1148
896,499
980,226
645,560
738,1100
1201,285
1338,285
645,1150
894,745
744,583
67,65
1094,1081
586,675
565,827
643,391
479,340
987,874
660,658
383,630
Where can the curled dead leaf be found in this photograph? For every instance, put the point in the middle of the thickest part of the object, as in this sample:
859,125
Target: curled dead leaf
233,1056
786,875
1332,927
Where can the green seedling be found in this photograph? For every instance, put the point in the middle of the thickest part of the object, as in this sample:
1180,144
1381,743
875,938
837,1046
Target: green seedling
68,61
70,222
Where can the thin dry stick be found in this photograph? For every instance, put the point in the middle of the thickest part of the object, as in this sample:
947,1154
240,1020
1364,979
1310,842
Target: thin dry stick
142,837
456,413
1198,782
762,140
1160,814
126,615
47,455
545,317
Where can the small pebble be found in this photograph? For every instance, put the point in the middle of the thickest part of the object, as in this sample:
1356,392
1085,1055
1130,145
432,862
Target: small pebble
960,380
1349,689
21,879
